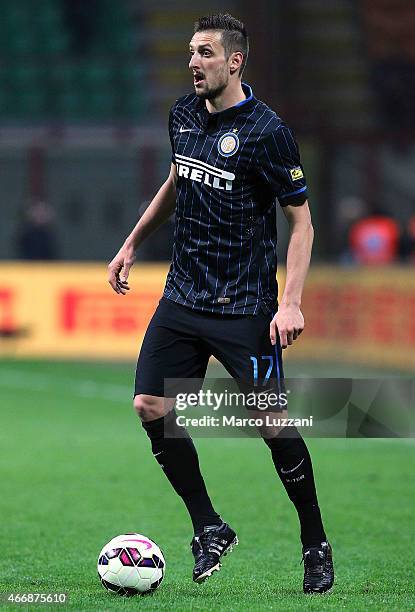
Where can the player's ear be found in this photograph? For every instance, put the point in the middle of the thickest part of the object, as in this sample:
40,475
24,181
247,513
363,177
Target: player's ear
235,61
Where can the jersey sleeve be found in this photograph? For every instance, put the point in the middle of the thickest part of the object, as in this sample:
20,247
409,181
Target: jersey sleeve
173,161
280,167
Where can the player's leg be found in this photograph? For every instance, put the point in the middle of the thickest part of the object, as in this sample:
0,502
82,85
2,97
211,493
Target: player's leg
293,464
250,358
176,454
174,348
170,351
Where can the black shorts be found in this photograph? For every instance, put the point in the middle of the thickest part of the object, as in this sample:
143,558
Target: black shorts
179,341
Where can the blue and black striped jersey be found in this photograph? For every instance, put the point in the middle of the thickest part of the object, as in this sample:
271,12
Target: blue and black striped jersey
231,167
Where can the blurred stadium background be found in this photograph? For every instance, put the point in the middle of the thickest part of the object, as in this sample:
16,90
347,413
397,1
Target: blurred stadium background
85,88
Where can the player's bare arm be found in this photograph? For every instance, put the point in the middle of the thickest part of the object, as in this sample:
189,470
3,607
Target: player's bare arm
159,210
289,320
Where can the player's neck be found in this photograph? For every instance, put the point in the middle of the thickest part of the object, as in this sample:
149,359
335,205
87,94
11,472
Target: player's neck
232,95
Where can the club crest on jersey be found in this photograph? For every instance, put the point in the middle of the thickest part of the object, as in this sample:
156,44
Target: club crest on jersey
228,144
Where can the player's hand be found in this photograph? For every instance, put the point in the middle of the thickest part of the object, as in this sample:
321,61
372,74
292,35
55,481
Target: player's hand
119,269
288,323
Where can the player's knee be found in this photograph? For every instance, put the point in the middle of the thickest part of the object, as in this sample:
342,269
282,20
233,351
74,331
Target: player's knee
149,407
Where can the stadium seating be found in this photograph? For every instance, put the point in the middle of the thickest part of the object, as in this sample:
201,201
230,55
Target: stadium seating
42,76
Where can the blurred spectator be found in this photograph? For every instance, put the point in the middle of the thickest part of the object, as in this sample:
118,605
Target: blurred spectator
81,20
374,239
36,239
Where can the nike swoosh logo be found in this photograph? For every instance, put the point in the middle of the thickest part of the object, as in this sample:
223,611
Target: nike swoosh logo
265,392
182,129
293,469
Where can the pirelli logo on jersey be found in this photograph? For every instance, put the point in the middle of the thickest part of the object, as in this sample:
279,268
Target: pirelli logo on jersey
201,172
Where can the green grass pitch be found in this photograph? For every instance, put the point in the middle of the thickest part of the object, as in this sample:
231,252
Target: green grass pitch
76,470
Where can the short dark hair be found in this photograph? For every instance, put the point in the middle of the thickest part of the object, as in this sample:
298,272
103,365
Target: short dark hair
234,35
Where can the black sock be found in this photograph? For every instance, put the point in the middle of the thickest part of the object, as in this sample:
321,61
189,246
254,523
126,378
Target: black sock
293,464
178,459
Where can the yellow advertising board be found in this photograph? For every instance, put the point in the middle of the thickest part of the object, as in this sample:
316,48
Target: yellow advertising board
69,310
360,315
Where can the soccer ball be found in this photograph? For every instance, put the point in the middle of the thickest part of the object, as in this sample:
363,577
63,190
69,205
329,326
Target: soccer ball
131,563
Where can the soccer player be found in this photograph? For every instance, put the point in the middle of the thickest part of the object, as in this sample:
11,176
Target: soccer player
232,157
